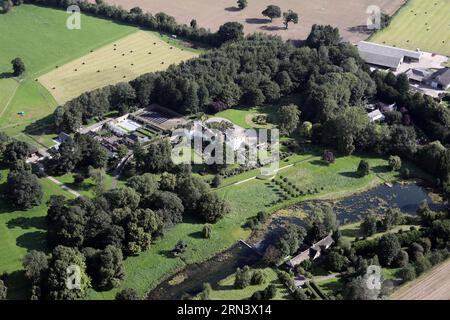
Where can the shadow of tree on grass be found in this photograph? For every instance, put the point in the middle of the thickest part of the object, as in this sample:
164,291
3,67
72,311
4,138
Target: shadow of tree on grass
27,223
32,240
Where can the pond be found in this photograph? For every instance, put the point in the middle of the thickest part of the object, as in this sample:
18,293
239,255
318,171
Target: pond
406,197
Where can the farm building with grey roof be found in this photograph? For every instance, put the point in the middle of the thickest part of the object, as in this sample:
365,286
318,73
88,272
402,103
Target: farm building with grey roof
440,79
385,56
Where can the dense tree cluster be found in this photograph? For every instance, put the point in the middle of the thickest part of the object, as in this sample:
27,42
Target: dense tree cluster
287,243
50,276
125,220
251,71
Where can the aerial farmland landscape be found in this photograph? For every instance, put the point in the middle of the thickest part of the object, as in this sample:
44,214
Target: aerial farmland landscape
224,150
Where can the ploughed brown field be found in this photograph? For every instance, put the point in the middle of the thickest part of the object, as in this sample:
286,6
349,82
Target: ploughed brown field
348,15
434,285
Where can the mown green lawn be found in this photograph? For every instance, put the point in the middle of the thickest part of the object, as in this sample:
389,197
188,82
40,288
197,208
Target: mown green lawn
87,187
21,231
420,24
331,286
40,37
224,289
244,117
351,231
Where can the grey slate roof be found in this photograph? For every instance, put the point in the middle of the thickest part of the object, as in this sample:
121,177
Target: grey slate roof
417,74
442,76
311,251
380,60
383,55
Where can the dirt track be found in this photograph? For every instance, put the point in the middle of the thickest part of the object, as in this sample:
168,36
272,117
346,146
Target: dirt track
435,285
348,15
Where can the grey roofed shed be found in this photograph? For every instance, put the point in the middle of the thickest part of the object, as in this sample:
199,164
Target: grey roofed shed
418,75
381,60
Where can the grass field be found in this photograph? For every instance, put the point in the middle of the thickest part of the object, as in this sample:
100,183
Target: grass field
224,289
147,270
123,60
241,117
21,231
40,37
87,187
423,24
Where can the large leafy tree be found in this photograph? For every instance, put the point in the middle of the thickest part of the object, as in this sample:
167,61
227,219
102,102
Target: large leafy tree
17,64
15,151
124,197
35,264
24,189
155,159
168,206
388,249
230,31
62,260
272,11
66,224
190,189
289,117
212,208
323,36
106,267
146,185
341,130
357,289
290,16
